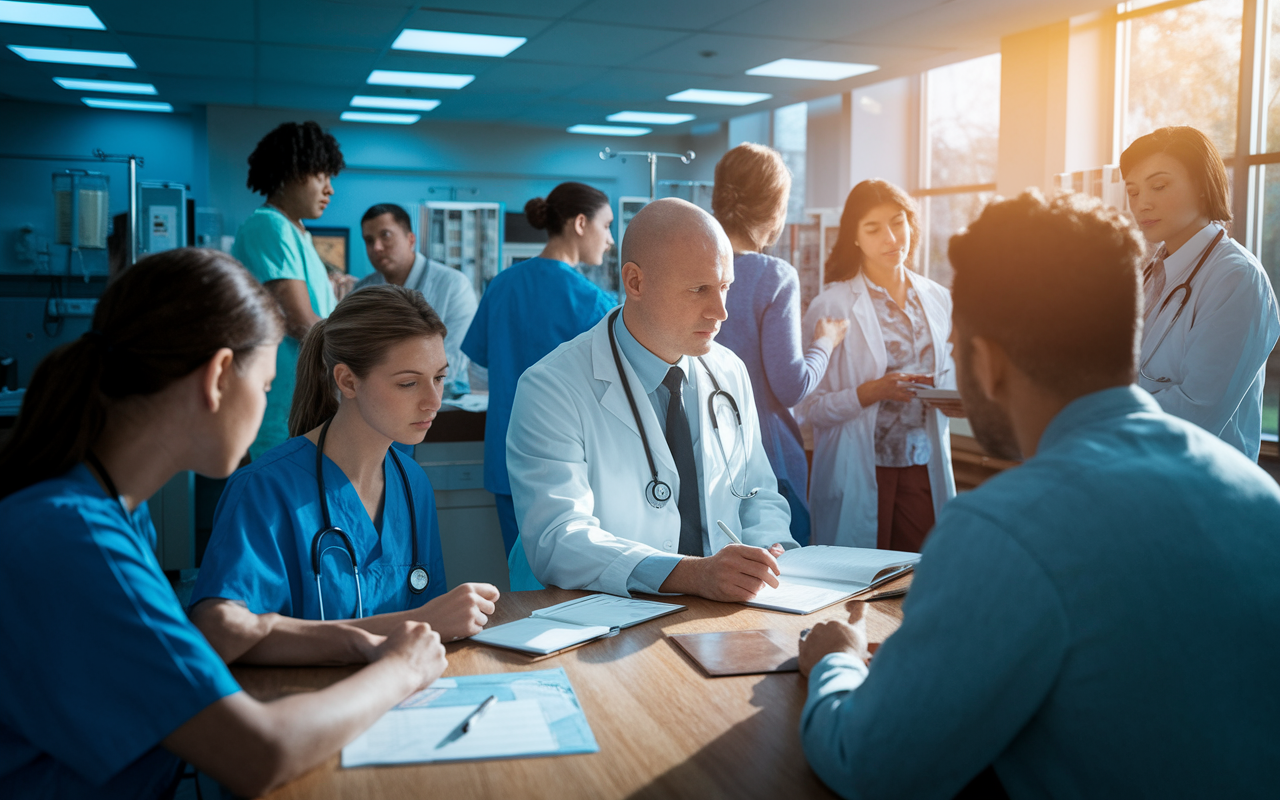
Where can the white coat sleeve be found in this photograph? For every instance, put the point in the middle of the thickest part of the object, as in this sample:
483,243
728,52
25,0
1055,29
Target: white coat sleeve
1234,330
552,493
459,310
766,517
827,406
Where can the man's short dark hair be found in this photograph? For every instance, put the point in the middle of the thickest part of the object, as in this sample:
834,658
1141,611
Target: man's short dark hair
397,213
292,151
1056,285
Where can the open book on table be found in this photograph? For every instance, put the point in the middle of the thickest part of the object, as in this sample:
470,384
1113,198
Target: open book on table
559,627
815,577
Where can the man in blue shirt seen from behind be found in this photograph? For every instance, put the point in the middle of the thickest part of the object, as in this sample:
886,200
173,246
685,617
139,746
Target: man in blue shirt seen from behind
1103,620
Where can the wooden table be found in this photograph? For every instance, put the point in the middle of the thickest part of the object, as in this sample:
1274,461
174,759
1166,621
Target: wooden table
665,729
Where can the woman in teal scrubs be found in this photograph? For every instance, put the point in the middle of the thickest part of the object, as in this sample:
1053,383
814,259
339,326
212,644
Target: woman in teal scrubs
532,308
293,166
362,544
109,686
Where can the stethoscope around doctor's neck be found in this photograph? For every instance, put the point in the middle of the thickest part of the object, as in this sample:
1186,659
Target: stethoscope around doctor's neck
418,576
1185,289
658,492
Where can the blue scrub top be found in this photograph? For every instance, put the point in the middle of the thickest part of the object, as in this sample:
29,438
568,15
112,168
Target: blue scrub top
528,310
260,550
98,660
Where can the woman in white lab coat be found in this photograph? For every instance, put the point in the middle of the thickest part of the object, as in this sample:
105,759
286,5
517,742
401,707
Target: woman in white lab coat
1209,316
882,457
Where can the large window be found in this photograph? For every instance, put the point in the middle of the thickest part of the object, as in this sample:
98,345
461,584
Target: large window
958,169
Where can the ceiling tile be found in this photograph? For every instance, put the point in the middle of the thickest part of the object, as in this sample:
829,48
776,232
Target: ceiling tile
206,91
309,22
734,55
314,65
528,80
434,20
591,44
547,9
677,14
821,19
319,99
168,55
226,19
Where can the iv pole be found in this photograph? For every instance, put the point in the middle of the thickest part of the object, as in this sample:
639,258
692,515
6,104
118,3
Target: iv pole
607,154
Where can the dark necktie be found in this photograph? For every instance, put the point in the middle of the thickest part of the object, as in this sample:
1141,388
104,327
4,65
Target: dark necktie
681,443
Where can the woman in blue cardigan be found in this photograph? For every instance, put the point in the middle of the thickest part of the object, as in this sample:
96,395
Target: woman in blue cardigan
752,185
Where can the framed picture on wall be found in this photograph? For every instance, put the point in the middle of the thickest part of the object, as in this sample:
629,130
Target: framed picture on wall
332,244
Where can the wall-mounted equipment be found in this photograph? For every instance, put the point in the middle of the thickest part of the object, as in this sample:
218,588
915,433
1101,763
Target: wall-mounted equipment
466,236
162,220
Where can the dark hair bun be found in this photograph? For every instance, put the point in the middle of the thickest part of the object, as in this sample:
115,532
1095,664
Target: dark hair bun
536,212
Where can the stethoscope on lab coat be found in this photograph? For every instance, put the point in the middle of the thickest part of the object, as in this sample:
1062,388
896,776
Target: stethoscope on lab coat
418,577
658,492
1185,288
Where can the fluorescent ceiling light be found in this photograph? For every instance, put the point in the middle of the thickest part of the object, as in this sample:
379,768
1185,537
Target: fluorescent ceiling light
649,117
718,97
50,14
425,80
374,116
120,87
812,70
462,44
127,105
609,130
92,58
398,103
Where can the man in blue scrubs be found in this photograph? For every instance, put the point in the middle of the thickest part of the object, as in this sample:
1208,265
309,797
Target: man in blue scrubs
1102,620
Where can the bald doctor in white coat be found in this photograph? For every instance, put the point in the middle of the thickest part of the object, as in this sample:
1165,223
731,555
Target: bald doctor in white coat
580,477
843,492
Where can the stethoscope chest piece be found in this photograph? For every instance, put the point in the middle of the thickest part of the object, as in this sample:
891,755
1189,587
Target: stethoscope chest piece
418,580
658,493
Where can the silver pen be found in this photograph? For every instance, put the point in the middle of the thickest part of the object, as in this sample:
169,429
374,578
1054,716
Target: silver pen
465,727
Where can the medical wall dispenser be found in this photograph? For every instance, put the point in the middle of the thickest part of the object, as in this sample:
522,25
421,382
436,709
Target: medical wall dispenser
162,217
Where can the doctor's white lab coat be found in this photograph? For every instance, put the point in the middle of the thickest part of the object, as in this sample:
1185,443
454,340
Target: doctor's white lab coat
843,495
1215,354
578,469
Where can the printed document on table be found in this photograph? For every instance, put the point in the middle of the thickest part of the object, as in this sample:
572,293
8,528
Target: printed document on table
536,714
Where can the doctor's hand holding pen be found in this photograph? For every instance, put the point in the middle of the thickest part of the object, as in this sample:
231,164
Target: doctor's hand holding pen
893,386
735,574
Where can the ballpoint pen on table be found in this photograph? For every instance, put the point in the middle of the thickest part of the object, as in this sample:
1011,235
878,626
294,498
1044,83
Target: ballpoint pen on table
471,719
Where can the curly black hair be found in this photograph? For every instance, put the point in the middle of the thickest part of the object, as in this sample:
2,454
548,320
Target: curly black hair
292,151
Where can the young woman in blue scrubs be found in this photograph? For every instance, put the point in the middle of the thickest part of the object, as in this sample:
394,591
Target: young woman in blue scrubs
531,309
109,686
370,375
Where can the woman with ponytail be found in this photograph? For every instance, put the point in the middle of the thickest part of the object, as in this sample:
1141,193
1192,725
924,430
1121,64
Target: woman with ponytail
531,309
111,686
278,575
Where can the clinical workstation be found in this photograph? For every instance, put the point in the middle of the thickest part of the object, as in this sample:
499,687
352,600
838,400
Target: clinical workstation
575,399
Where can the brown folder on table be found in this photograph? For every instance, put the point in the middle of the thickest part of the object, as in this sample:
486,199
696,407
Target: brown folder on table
741,652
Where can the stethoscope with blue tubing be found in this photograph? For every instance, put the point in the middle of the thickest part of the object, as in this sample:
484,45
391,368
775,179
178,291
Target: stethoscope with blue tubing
418,576
658,492
1185,289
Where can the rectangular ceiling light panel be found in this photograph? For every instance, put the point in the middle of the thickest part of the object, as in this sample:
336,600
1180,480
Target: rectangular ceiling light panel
90,58
53,15
386,119
812,70
462,44
718,97
127,105
424,80
650,117
119,87
609,130
397,103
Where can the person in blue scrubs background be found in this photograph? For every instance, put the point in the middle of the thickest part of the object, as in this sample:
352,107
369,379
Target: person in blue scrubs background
532,308
293,166
370,375
1056,629
108,685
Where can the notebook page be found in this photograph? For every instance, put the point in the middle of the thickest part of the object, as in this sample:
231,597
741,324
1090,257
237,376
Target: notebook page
606,610
512,728
856,566
539,635
798,598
